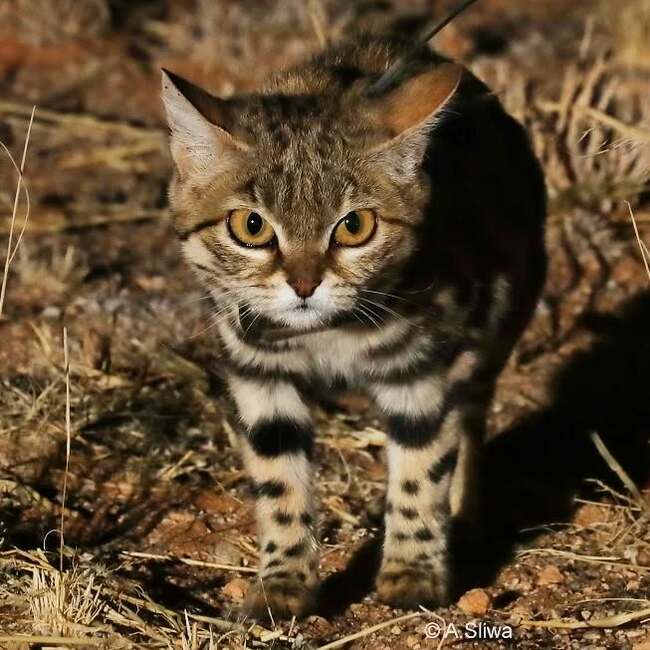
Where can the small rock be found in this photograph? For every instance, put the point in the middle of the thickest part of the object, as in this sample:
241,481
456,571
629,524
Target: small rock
236,589
150,282
319,626
550,575
475,602
590,514
627,270
643,557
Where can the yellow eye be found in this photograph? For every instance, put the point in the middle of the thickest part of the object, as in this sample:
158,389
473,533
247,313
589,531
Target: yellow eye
250,228
355,228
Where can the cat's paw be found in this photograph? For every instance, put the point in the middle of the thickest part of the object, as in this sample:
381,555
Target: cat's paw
279,598
410,587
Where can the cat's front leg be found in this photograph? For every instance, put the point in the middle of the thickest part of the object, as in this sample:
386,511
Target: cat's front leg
422,453
276,441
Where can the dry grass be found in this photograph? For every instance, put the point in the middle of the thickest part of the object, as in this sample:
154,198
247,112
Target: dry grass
88,605
125,417
42,21
11,249
629,21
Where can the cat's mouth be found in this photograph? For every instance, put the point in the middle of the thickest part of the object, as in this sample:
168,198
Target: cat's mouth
260,328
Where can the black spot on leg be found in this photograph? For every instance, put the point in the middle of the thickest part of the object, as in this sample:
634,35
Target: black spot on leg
401,537
410,487
423,534
409,513
306,519
389,507
271,547
282,518
422,557
296,550
443,466
273,563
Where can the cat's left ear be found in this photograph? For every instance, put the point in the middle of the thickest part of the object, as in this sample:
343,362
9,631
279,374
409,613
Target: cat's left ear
201,126
410,112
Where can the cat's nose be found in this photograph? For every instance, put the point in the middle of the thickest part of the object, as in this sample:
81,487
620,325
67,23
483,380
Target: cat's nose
304,287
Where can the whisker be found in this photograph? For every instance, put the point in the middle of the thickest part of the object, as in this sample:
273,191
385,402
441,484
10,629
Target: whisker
387,309
370,316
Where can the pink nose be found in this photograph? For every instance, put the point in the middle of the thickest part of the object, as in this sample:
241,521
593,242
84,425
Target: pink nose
304,287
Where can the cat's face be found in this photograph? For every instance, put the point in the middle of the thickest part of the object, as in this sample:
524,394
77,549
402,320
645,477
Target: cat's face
299,210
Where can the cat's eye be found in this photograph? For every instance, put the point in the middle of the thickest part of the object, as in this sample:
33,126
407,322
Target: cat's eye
355,228
250,228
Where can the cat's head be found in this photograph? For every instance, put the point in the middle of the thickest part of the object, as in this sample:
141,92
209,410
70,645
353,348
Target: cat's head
302,208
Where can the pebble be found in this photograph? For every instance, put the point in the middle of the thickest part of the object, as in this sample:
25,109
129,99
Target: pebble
236,589
550,575
475,602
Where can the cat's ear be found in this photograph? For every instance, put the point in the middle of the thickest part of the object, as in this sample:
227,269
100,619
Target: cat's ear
410,112
200,125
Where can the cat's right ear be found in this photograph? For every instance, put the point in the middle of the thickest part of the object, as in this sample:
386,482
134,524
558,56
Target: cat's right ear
409,113
200,125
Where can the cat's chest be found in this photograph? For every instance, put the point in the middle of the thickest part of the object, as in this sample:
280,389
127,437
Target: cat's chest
334,356
352,356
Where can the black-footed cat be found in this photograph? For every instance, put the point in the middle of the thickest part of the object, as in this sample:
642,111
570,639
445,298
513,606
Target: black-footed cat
397,238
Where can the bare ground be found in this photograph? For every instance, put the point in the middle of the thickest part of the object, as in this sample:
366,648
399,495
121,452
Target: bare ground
159,533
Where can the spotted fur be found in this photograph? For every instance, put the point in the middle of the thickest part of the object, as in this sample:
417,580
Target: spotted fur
422,316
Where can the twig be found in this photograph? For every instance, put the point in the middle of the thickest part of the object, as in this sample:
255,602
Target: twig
83,122
68,439
28,204
318,23
369,630
55,221
632,132
189,561
49,640
14,211
642,246
616,467
589,559
608,622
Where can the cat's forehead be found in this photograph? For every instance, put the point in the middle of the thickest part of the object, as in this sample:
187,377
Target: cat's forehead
305,162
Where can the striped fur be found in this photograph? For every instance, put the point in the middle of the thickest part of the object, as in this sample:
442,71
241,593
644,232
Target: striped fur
422,316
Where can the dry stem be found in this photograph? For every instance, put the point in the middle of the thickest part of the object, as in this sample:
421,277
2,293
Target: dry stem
19,185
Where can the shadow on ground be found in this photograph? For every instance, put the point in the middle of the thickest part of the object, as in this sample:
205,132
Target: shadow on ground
533,471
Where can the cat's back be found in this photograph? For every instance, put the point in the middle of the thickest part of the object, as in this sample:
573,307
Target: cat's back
352,64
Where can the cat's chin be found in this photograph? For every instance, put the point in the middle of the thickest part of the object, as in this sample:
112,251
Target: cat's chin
303,319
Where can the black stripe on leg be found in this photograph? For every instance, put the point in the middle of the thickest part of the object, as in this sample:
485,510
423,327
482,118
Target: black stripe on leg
443,466
418,431
270,489
412,432
281,436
